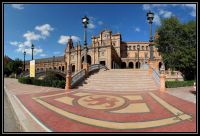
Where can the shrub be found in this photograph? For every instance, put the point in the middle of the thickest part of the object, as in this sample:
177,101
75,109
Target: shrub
175,84
61,84
45,82
25,80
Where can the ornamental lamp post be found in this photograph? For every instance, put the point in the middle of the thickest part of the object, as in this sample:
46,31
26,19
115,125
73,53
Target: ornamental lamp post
24,60
32,47
150,16
85,22
138,48
53,61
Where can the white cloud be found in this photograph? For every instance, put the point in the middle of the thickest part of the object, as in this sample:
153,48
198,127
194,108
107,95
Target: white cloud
159,5
193,13
64,39
31,36
151,6
193,6
168,14
137,29
18,6
14,43
165,13
91,25
36,51
156,19
146,6
190,5
100,22
44,29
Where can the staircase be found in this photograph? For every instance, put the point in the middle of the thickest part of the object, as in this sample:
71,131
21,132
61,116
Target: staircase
120,80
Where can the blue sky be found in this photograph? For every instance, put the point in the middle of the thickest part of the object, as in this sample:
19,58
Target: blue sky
48,26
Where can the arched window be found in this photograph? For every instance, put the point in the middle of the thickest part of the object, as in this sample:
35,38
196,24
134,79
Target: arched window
130,65
137,65
142,47
73,68
123,65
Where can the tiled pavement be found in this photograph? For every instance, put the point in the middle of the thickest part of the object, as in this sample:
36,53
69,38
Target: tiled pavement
89,111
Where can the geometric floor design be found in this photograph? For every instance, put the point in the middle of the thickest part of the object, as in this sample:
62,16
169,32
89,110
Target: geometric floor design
86,111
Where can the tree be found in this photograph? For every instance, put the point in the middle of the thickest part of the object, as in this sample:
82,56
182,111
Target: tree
15,66
177,45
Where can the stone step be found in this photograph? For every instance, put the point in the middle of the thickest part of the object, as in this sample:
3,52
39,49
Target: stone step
118,75
123,72
121,89
120,85
126,76
133,88
119,80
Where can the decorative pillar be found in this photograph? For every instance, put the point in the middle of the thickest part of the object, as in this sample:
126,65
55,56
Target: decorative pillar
150,67
68,78
162,79
69,69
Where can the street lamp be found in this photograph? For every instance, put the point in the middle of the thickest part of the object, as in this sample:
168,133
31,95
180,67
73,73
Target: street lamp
138,48
24,60
85,22
32,47
150,16
53,61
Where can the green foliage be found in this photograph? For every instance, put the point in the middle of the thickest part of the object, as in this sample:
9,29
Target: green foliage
46,82
25,80
177,45
175,84
13,67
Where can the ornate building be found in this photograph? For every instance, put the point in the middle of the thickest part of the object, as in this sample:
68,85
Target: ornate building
107,49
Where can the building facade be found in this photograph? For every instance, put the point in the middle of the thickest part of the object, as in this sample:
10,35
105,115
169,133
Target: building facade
107,49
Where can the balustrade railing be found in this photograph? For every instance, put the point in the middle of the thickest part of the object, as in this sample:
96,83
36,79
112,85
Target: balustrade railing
76,78
95,67
156,76
79,76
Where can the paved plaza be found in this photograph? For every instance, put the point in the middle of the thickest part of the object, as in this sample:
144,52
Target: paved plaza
47,109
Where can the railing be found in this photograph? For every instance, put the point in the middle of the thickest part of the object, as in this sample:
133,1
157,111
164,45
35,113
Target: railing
156,76
95,67
76,78
79,76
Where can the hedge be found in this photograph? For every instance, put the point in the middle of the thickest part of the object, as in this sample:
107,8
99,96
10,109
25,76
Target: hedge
175,84
45,82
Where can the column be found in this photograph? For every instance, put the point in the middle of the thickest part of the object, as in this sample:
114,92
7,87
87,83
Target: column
162,81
